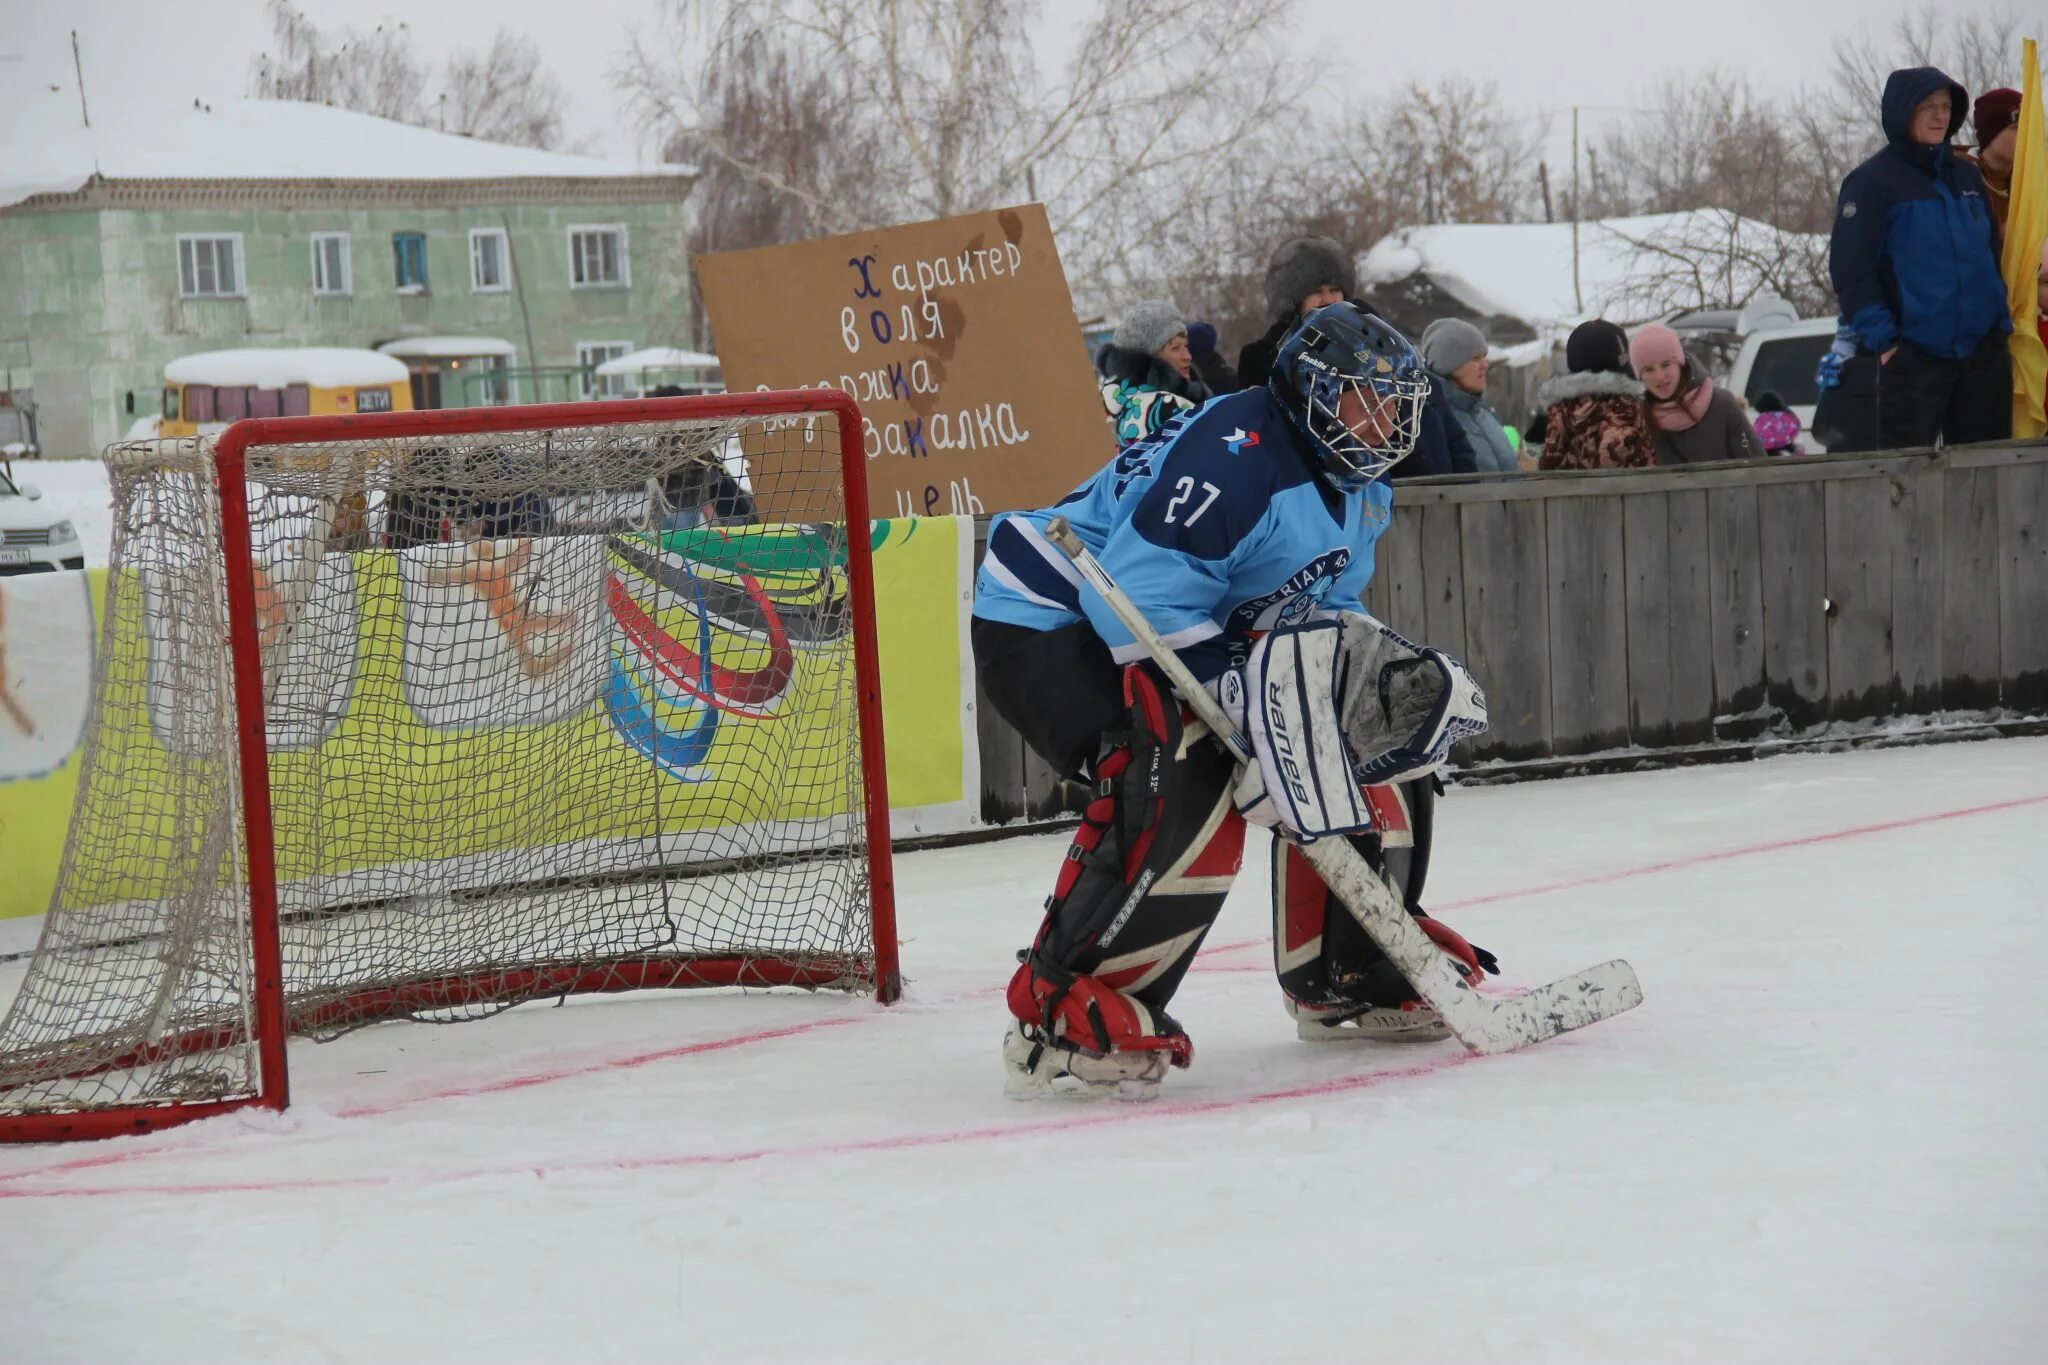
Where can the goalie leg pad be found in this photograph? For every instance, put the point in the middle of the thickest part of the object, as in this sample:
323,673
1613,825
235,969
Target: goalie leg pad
1156,853
1335,981
1290,696
1143,881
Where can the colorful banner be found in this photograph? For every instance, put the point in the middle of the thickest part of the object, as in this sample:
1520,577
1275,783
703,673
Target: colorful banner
469,700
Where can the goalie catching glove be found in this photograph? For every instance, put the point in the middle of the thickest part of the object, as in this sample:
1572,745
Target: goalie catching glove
1334,705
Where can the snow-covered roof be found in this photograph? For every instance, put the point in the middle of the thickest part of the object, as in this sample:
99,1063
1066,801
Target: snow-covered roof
45,147
446,347
1524,270
323,367
657,358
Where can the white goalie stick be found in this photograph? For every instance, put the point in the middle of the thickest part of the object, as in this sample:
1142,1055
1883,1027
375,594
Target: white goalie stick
1485,1025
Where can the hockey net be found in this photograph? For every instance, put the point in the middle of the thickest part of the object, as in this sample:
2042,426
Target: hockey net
425,715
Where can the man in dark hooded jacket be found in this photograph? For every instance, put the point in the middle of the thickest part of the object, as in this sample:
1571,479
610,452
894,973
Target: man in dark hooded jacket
1913,264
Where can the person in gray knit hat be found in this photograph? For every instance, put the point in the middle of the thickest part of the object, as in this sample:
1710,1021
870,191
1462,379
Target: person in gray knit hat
1305,274
1147,372
1149,326
1455,353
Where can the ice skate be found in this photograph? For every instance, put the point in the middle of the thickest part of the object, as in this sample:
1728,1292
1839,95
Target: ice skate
1373,1001
1411,1022
1035,1068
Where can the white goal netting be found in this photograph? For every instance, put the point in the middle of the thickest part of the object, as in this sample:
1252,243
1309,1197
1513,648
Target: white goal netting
546,711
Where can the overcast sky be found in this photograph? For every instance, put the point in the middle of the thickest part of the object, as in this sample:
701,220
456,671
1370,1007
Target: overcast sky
1545,56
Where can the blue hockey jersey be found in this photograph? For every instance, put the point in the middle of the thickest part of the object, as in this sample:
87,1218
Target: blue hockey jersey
1218,529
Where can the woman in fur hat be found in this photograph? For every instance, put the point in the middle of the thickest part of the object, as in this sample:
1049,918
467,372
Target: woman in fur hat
1305,274
1694,421
1593,415
1147,372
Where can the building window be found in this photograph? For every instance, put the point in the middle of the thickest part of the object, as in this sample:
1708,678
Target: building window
489,254
597,258
591,354
331,274
409,259
210,267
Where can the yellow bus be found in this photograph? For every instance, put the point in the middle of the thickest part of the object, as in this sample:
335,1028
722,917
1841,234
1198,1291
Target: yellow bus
205,392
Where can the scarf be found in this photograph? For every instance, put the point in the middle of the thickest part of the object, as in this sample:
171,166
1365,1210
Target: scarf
1685,409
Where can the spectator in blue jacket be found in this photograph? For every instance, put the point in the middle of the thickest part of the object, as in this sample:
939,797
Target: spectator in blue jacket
1913,264
1441,446
1455,352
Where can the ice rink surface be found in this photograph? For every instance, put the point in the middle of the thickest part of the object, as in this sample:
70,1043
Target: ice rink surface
1821,1139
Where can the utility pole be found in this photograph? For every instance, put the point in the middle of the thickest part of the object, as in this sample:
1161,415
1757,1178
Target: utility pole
1543,179
79,66
1578,294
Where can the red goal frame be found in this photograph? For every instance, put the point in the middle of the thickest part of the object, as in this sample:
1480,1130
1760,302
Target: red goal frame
274,1021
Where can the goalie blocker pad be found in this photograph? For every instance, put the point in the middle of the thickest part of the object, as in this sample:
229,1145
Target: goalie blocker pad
1335,704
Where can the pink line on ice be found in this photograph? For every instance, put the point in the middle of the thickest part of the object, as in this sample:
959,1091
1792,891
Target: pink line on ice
1745,851
1691,860
574,1070
571,1071
1072,1118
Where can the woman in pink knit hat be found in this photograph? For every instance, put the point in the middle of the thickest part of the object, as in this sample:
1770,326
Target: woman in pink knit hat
1691,420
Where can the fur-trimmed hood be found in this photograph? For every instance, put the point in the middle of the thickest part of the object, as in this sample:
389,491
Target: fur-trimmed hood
1598,383
1149,371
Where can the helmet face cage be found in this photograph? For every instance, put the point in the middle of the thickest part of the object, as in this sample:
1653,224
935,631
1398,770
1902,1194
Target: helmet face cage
1342,348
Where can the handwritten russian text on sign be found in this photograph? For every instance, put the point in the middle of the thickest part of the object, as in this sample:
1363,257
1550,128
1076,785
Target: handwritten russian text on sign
956,337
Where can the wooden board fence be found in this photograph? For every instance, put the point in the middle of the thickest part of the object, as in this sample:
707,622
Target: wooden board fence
1727,604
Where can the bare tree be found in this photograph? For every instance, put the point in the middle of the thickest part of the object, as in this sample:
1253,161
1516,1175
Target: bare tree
935,108
1712,141
1714,258
372,73
502,94
1449,153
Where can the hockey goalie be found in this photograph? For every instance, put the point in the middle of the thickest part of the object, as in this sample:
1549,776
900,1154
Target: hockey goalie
1244,533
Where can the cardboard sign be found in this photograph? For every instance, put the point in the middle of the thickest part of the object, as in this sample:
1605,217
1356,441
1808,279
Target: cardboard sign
958,340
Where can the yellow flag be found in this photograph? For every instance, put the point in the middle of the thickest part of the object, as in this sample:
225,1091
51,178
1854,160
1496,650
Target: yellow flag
2026,228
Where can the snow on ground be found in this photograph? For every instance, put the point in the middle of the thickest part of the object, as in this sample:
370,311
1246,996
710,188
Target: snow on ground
1818,1140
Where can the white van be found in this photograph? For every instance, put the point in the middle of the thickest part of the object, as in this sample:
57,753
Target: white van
1783,360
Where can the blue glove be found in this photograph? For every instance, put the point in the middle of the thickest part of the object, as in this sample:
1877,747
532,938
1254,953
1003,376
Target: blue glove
1201,339
1829,373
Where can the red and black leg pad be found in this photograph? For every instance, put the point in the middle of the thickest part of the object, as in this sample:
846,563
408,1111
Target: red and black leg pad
1322,956
1144,879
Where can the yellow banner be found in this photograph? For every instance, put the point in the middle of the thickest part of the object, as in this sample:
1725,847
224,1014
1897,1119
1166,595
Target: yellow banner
2026,229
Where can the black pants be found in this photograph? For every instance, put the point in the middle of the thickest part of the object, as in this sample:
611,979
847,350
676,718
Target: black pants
1921,396
1057,688
1845,418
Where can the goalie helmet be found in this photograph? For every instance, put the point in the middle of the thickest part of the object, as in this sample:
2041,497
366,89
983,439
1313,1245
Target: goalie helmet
1342,348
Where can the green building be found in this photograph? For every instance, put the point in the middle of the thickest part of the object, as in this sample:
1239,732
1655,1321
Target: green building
496,273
